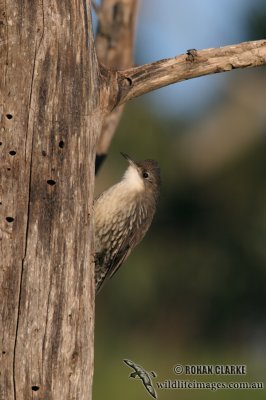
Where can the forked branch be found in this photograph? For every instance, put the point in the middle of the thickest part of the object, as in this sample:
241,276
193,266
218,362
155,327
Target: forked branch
137,81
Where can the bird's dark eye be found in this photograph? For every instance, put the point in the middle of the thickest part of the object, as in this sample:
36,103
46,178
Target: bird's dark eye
145,174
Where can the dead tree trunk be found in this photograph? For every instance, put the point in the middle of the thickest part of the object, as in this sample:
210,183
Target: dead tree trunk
52,107
55,104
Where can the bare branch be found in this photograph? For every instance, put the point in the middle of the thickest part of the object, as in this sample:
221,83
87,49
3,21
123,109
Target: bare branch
114,46
137,81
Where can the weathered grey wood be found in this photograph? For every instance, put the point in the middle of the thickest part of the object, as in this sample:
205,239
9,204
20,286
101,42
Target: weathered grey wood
114,46
137,81
51,116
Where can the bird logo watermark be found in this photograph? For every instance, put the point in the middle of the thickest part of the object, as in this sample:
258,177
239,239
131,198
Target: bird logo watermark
191,381
143,375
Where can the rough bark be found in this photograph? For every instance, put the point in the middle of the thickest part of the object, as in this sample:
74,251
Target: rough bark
51,116
114,47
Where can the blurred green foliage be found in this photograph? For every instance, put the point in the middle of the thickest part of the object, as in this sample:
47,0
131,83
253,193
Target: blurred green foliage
194,290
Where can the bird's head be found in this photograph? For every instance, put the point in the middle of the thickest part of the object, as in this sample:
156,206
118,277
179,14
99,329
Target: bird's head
143,176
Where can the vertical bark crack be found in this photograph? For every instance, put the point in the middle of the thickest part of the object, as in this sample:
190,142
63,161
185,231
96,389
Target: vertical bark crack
7,44
27,223
86,23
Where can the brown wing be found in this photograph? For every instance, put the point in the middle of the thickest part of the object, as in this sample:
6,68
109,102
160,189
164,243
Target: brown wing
121,255
110,258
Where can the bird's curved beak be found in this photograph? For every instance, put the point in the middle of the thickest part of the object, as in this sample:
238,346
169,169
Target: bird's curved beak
129,160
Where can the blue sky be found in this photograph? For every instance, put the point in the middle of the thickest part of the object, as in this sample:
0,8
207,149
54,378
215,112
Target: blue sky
170,27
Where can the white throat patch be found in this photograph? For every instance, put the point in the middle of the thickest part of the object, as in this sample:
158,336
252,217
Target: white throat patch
133,180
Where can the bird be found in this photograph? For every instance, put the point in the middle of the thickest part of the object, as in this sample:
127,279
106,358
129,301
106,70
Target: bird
122,216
